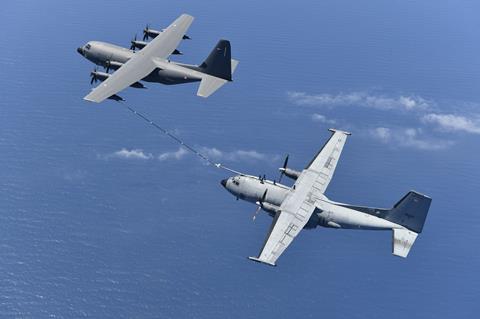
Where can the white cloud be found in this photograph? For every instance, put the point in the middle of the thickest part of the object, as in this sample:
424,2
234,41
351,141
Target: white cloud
451,122
408,137
364,99
322,119
179,154
238,155
130,154
382,133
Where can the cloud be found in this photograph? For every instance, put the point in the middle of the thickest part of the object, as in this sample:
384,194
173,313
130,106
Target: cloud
179,154
130,154
364,99
322,119
238,155
451,122
409,137
382,133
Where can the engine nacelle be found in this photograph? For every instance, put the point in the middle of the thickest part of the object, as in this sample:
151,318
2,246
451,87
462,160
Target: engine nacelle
102,76
269,208
113,65
141,44
138,44
291,173
151,33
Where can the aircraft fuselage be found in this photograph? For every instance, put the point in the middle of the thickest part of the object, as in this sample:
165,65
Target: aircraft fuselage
327,213
102,53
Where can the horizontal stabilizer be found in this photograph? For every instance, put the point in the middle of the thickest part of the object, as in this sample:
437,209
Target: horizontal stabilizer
209,85
234,65
402,241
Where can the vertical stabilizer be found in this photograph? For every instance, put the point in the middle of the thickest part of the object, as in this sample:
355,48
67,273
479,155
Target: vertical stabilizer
219,62
410,212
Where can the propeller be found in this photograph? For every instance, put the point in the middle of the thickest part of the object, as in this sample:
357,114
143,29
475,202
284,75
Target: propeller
107,66
93,75
132,46
145,32
260,204
283,168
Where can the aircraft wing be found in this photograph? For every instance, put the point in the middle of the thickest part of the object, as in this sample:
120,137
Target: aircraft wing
299,204
324,163
142,64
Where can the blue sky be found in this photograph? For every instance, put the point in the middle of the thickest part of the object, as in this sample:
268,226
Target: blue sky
103,217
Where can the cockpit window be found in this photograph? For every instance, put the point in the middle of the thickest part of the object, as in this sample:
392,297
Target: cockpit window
88,46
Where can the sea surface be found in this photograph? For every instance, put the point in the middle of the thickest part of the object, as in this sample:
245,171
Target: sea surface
102,216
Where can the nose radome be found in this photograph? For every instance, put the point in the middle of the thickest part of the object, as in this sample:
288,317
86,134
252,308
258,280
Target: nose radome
224,182
80,50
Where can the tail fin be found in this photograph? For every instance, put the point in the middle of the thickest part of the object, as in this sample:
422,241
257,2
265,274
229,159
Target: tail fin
410,212
219,63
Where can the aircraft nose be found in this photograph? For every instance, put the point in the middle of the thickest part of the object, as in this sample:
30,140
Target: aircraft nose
80,50
224,182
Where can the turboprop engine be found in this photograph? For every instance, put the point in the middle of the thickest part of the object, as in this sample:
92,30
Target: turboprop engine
291,173
102,76
151,33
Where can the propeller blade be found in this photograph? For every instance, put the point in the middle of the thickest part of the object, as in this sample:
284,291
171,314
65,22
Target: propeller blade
132,43
263,196
286,161
145,32
260,204
93,75
282,171
256,213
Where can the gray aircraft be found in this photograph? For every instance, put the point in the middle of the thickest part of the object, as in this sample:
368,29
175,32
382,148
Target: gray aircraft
304,205
151,63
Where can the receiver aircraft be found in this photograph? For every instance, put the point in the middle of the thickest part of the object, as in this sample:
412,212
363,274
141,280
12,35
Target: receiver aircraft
151,63
304,205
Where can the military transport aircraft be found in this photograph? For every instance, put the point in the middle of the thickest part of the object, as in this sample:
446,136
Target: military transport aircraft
151,63
304,205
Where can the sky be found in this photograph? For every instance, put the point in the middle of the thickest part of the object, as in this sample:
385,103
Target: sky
103,217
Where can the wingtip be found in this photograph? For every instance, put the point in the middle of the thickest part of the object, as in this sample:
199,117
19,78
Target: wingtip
420,194
258,260
186,15
333,130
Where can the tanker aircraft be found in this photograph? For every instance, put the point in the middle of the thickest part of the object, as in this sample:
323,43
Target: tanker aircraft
304,205
151,63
